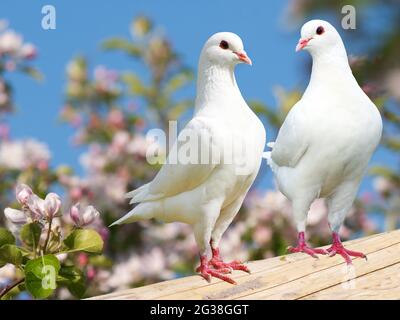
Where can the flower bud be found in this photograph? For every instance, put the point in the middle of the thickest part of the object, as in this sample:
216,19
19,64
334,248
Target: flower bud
22,193
52,204
83,217
89,215
74,214
28,51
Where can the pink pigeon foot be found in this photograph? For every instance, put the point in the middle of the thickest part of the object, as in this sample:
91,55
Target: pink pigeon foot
207,272
338,248
303,247
218,264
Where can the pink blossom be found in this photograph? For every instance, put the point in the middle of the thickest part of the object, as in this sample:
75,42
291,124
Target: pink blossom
105,75
52,204
21,154
104,233
36,206
367,197
76,193
4,128
10,42
22,193
382,185
83,259
83,217
91,273
42,165
116,118
28,51
120,141
262,235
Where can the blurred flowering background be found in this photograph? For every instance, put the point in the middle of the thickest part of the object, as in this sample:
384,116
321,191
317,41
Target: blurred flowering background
105,103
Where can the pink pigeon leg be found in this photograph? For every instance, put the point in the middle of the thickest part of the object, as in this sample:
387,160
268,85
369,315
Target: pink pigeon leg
207,272
217,263
338,248
303,247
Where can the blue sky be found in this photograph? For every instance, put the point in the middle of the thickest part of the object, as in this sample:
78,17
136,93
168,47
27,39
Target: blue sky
82,25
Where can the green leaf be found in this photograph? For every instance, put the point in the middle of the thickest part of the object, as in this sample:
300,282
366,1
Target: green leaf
178,81
10,253
179,108
134,83
41,275
122,44
383,171
392,143
34,73
100,261
6,237
73,279
30,234
87,240
263,110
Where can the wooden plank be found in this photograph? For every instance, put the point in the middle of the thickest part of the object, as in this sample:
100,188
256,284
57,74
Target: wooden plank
333,275
383,284
283,273
165,288
270,277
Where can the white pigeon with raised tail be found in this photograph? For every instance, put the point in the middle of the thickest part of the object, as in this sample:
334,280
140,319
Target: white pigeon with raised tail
328,137
207,189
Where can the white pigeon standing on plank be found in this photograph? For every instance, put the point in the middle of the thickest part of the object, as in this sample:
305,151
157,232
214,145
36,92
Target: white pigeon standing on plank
208,194
327,139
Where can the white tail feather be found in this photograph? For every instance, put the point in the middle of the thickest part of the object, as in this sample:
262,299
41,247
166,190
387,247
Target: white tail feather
271,163
133,193
142,211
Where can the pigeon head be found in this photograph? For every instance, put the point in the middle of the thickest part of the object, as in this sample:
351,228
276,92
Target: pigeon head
225,49
319,36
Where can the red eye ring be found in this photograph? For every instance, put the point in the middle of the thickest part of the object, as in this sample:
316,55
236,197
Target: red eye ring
320,30
224,45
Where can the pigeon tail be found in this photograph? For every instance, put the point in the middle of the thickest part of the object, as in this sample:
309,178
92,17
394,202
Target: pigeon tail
133,193
138,195
268,157
142,211
274,167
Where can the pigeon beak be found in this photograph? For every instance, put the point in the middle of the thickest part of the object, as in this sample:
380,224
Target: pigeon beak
243,57
302,43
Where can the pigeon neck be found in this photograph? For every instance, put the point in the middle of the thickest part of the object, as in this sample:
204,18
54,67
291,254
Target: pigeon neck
214,83
331,67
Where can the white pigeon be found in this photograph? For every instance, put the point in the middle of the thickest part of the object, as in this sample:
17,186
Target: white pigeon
208,194
324,145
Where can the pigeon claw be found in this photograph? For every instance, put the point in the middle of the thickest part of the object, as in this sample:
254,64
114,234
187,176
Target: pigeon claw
207,272
303,247
217,263
345,253
234,265
338,248
306,249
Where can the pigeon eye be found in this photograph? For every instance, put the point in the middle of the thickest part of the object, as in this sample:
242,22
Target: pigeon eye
320,30
224,45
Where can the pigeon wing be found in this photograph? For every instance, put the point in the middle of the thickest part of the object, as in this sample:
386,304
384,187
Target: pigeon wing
179,176
291,143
